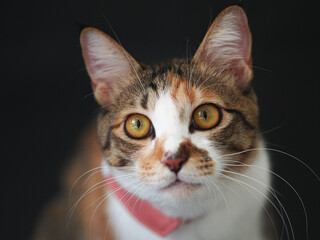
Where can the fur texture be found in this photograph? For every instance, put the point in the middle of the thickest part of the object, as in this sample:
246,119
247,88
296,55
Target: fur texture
217,192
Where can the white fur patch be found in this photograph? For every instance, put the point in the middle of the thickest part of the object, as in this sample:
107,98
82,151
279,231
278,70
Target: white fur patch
166,122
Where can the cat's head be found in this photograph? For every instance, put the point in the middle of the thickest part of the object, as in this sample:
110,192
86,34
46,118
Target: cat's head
166,131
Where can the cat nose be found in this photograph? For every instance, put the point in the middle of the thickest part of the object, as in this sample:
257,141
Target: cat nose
174,163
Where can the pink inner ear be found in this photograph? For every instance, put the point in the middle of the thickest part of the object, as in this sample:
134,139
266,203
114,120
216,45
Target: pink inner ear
100,93
108,64
230,38
243,71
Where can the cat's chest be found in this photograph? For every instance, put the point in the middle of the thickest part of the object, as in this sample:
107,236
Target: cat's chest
125,226
215,226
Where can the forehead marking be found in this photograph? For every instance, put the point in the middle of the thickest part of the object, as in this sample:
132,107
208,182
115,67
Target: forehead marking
180,89
166,121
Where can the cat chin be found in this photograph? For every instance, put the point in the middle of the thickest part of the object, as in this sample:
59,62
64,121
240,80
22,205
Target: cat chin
181,187
184,202
181,200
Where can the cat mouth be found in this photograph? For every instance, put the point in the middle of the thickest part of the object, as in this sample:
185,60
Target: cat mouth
181,185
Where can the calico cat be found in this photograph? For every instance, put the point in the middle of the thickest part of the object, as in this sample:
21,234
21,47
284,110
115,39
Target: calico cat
173,157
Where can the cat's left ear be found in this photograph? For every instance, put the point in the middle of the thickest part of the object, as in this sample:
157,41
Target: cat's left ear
107,63
227,46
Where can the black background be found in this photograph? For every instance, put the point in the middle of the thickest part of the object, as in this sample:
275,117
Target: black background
44,89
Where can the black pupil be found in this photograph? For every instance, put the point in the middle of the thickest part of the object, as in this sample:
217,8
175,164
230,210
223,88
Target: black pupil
138,123
205,114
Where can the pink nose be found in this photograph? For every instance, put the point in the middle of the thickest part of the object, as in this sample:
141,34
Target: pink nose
174,164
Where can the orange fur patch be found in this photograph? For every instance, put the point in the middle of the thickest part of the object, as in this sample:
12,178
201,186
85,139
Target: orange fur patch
149,162
153,156
180,89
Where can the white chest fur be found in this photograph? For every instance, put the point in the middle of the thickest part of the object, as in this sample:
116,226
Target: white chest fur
237,218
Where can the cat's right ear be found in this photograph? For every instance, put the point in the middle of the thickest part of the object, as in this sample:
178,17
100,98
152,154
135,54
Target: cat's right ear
107,63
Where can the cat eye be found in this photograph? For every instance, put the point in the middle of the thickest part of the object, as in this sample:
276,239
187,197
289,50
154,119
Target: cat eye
138,126
206,116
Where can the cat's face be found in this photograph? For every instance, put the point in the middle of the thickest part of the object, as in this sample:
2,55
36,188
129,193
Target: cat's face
167,131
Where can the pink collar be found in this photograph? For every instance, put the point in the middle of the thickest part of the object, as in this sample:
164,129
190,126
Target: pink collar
143,211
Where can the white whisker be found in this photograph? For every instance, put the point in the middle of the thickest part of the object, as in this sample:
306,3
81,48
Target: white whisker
269,200
107,196
261,204
133,67
285,181
87,192
273,150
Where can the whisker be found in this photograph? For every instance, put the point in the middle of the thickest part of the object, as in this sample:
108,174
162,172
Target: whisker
106,228
199,51
71,211
267,198
87,192
87,95
212,75
132,85
106,197
272,150
262,68
261,204
220,71
82,175
90,176
274,128
207,67
101,168
187,57
137,200
132,195
222,195
211,190
135,71
284,180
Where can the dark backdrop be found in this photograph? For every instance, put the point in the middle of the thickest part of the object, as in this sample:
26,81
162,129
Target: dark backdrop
44,88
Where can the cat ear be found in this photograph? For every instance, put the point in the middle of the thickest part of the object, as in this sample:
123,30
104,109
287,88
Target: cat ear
107,63
227,46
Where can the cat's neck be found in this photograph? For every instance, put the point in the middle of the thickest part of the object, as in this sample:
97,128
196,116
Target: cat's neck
149,216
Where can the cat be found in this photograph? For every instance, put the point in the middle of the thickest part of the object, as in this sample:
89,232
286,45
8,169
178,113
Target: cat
174,153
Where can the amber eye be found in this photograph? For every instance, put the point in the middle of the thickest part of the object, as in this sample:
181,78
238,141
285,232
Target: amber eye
137,126
206,117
